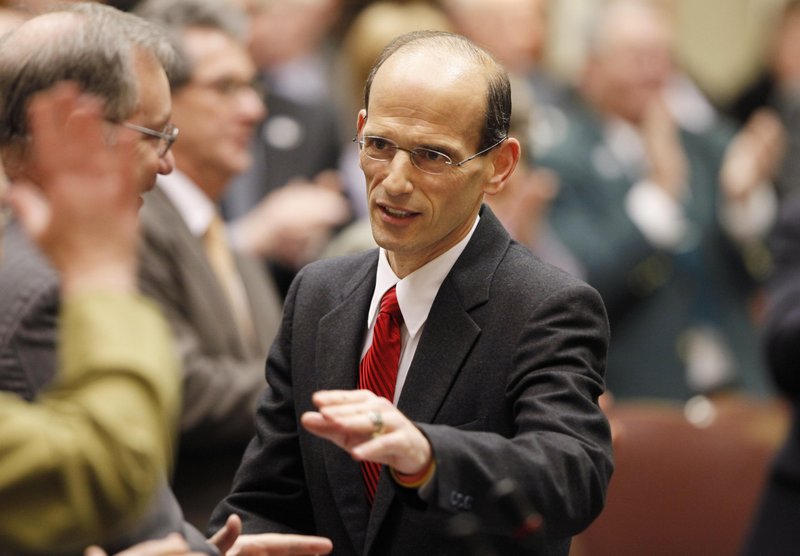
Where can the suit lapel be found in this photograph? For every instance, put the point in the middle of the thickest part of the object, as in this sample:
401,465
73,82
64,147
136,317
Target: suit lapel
450,331
337,369
164,215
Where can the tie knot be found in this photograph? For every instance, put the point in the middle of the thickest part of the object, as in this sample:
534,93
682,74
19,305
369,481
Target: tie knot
389,303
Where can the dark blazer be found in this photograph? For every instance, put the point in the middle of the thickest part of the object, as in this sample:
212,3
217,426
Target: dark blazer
653,296
29,304
223,372
776,525
504,383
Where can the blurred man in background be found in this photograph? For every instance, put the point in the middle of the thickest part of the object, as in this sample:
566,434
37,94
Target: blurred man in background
223,307
663,219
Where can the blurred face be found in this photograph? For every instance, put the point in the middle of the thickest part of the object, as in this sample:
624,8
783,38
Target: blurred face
216,111
3,192
282,30
419,100
514,31
632,65
153,112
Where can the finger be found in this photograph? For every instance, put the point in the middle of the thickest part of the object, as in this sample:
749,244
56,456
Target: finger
225,537
362,421
271,544
323,398
94,551
316,424
348,409
31,208
171,545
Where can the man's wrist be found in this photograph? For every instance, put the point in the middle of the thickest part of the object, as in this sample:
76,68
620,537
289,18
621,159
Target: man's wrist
417,479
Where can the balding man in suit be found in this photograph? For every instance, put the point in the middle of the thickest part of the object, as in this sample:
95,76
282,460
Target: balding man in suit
482,363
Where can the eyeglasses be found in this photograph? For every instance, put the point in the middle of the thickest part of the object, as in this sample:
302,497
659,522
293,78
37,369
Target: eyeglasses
427,160
229,88
166,137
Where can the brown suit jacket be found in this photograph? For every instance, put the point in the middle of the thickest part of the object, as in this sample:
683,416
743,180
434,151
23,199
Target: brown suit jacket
223,375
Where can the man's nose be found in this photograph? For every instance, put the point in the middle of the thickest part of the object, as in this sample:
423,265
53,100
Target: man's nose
398,174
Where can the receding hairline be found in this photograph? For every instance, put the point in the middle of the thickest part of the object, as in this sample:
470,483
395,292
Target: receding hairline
51,25
442,45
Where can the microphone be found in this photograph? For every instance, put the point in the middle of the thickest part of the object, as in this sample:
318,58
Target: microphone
507,518
468,530
516,516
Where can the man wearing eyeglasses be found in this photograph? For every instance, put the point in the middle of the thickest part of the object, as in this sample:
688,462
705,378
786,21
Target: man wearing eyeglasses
407,382
120,60
223,306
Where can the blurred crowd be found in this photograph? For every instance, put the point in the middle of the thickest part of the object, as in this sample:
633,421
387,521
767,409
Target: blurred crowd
672,202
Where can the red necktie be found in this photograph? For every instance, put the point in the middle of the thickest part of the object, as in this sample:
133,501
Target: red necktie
378,370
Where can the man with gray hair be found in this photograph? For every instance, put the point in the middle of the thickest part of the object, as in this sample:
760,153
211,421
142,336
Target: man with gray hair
120,59
223,306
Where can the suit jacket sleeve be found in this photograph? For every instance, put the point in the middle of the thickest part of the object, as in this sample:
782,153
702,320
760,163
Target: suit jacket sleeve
274,499
559,451
782,327
92,450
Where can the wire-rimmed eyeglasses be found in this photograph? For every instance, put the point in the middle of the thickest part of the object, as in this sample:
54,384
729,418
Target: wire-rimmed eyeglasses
428,160
166,137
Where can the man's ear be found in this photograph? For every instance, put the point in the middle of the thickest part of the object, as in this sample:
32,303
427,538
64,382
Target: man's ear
13,161
360,122
504,160
362,119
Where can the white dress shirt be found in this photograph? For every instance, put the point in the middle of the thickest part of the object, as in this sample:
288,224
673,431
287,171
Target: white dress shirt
415,295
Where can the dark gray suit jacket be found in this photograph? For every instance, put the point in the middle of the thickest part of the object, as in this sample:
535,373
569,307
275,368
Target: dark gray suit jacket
223,372
504,384
29,304
653,296
775,528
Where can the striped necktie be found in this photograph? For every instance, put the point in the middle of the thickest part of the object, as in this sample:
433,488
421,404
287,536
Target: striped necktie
378,369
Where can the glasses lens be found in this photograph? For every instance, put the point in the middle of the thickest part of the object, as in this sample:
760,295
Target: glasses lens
378,148
427,160
168,137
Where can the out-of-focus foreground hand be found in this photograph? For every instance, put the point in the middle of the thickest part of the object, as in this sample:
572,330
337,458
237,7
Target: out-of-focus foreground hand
171,545
369,428
754,156
292,224
276,544
606,402
522,205
669,168
224,539
82,212
229,542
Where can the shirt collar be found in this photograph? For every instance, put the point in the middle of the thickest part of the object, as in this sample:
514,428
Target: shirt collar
194,206
415,292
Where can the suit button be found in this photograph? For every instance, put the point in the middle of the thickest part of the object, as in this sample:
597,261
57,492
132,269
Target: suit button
460,501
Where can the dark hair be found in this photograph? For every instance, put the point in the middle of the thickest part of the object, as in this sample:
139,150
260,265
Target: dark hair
498,94
175,16
96,50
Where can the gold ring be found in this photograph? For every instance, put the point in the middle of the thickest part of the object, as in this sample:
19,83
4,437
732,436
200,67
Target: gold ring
377,423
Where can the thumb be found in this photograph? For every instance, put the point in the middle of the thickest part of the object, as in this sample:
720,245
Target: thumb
225,537
94,551
31,208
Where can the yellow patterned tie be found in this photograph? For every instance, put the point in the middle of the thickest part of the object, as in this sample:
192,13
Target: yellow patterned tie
224,265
